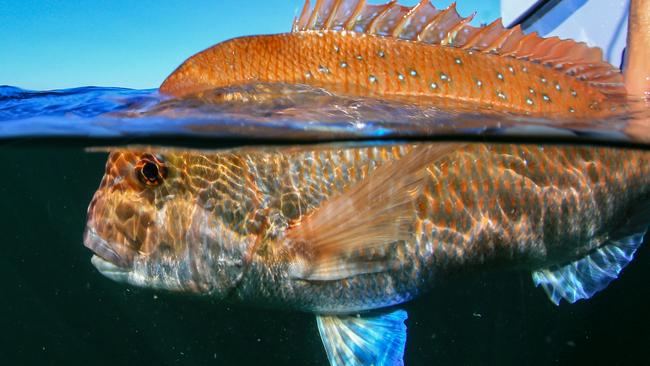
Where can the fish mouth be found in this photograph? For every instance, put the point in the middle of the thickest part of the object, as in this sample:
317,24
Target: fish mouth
109,257
110,270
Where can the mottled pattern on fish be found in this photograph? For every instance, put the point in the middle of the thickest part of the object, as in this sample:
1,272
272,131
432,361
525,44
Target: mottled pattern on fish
420,54
482,206
501,205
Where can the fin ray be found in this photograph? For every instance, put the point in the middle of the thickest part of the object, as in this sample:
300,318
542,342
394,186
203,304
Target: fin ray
582,278
428,24
364,219
367,339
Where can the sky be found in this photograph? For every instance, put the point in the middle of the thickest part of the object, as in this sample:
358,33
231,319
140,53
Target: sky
55,44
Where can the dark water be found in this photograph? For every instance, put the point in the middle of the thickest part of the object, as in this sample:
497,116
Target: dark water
56,308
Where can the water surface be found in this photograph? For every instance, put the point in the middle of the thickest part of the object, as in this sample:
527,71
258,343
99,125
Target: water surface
281,112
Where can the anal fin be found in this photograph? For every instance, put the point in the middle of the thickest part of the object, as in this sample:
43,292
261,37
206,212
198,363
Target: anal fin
369,339
584,277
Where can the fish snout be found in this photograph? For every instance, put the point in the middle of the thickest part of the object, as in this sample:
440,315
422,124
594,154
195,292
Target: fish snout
116,231
114,253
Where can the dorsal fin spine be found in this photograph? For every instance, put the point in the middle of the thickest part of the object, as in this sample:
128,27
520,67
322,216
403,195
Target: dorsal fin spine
330,18
496,44
373,23
314,15
299,22
522,51
350,22
472,41
513,40
425,23
432,22
450,10
400,26
451,35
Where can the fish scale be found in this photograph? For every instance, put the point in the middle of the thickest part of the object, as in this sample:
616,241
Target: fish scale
526,206
389,68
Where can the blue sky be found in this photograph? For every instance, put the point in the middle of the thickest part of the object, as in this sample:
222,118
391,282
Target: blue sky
51,44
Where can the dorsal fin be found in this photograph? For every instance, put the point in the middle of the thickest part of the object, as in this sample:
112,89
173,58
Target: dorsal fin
428,24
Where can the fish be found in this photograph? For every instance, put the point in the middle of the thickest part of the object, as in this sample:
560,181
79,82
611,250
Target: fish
351,232
421,55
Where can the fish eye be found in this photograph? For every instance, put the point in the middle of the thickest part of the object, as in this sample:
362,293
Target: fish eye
150,171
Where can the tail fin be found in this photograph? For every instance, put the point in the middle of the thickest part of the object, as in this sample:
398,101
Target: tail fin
637,59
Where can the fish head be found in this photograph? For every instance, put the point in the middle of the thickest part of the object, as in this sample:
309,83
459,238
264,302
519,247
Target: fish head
150,225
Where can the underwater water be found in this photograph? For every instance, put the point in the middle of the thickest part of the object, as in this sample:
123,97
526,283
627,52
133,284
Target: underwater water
58,309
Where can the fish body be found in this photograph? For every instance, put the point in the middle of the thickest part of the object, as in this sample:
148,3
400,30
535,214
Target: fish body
479,207
339,231
483,207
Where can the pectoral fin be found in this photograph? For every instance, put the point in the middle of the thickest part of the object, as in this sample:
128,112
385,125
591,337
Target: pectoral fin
372,339
372,214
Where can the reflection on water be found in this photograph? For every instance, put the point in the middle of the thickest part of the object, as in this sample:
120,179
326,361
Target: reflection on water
285,112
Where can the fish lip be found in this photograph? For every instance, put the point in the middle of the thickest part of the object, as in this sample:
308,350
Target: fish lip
110,270
104,250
